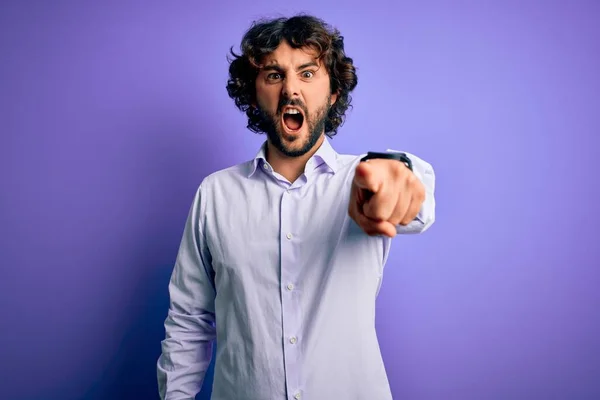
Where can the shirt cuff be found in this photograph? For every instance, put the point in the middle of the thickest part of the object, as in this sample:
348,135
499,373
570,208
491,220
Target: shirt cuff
426,216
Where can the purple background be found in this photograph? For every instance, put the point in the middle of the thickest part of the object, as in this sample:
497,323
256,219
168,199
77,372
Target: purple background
112,113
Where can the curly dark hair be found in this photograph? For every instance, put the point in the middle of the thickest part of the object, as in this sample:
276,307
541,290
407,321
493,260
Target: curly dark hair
264,36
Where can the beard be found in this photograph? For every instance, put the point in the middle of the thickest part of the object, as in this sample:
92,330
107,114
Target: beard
271,125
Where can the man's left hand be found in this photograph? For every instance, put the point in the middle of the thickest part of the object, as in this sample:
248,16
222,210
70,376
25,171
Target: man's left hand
385,193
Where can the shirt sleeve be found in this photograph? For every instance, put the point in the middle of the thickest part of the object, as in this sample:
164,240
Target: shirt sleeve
190,323
426,216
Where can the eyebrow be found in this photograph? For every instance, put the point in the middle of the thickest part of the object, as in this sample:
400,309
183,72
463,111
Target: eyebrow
275,67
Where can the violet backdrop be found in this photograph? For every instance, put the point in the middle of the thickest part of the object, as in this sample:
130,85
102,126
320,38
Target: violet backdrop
112,112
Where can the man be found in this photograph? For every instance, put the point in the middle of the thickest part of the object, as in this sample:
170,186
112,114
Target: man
282,256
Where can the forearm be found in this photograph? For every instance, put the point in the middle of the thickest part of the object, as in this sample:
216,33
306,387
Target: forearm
186,354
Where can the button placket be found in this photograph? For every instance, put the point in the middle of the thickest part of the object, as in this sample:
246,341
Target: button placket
292,313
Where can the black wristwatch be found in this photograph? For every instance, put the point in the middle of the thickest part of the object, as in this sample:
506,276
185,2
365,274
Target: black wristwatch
402,157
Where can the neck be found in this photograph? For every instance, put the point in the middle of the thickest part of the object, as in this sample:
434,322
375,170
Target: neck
290,167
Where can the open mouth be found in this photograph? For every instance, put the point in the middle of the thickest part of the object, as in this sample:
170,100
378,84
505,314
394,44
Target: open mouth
293,119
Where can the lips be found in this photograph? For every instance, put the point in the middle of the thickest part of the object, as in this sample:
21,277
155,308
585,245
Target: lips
292,118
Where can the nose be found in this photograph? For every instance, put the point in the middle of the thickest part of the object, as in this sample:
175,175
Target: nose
290,87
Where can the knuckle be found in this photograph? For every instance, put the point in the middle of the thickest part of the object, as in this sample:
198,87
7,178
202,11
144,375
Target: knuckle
399,169
394,221
378,214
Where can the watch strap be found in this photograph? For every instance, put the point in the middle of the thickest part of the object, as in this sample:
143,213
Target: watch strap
402,157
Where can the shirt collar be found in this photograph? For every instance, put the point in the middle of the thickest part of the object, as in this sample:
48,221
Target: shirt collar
324,154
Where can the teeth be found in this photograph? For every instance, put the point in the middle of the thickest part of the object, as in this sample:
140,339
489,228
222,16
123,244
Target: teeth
292,111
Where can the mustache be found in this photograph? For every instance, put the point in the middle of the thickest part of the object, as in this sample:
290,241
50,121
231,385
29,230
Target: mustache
291,102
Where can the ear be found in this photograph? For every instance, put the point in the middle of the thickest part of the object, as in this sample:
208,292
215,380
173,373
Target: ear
334,97
253,100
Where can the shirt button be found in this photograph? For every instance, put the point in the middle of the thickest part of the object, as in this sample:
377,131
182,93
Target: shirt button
290,286
289,236
293,340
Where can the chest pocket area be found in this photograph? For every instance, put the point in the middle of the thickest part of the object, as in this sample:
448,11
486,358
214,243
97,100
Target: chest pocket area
244,245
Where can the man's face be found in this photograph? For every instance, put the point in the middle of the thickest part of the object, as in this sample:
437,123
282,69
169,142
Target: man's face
293,96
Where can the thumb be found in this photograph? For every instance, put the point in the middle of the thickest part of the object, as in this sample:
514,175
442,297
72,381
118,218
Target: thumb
365,177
